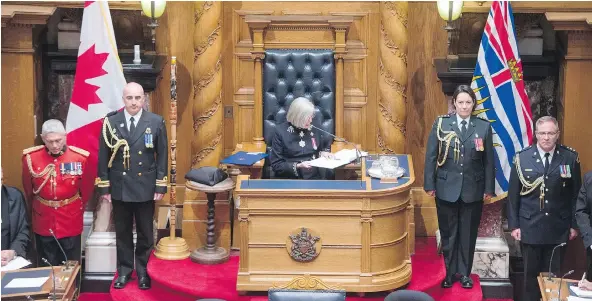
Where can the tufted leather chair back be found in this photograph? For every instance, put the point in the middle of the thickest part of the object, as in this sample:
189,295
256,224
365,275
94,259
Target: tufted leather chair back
292,73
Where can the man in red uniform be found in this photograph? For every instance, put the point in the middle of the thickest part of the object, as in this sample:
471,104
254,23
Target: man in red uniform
53,177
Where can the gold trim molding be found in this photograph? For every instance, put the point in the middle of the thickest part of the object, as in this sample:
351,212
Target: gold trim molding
307,282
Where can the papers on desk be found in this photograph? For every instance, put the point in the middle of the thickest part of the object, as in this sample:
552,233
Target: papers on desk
342,157
582,294
15,264
27,282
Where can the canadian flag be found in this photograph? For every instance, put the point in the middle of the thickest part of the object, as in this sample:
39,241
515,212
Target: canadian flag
98,84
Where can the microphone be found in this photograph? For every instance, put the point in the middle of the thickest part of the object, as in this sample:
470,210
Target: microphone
560,281
341,139
551,260
60,245
53,276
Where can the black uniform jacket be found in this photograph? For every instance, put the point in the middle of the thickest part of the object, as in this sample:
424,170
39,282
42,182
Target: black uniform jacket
545,220
146,173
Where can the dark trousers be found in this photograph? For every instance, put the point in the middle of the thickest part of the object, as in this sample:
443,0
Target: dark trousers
536,260
458,223
124,214
48,248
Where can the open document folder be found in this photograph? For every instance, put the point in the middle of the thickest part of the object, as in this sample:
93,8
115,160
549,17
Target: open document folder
342,157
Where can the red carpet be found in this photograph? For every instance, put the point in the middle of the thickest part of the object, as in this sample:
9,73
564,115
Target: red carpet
186,281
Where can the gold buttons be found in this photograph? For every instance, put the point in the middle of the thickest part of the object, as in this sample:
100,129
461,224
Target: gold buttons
139,174
139,152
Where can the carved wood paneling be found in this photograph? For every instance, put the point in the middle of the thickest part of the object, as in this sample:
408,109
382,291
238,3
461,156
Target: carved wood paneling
425,100
206,147
392,84
172,40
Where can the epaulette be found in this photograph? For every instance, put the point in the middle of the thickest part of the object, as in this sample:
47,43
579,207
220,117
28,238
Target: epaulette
482,118
444,116
79,150
568,148
524,149
111,114
32,149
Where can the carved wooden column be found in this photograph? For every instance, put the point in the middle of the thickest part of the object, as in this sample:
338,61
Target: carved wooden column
393,77
21,82
206,146
340,29
258,54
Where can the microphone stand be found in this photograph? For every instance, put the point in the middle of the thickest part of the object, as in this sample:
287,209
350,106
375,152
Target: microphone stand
66,263
551,260
52,276
560,285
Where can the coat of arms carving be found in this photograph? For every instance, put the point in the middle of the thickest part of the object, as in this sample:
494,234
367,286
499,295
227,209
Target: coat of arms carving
304,246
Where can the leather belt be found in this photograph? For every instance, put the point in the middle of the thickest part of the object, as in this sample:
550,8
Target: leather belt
58,203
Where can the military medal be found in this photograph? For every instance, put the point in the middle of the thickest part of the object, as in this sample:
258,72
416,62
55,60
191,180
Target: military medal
79,168
314,143
148,141
479,144
565,171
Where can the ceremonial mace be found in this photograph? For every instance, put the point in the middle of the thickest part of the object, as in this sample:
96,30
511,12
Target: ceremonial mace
173,248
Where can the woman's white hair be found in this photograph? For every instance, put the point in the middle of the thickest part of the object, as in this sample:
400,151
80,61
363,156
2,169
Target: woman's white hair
53,126
300,111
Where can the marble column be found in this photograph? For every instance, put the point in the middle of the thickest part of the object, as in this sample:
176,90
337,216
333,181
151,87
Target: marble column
492,254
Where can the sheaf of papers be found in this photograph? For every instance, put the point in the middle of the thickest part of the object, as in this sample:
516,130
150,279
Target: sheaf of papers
574,298
580,292
342,157
26,282
15,264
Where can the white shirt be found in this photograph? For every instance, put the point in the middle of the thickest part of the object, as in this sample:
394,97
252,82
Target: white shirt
128,116
542,154
460,120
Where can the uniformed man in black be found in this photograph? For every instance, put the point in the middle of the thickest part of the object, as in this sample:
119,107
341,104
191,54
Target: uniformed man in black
459,172
544,184
132,173
584,219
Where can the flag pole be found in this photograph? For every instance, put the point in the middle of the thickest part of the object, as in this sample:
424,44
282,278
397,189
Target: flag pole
172,247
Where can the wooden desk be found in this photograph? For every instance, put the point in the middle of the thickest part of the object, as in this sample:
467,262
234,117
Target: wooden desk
361,233
550,289
67,293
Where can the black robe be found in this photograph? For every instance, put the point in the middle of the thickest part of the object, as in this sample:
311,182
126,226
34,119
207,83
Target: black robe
292,145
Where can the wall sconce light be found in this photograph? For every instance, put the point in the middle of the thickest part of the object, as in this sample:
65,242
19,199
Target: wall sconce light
450,11
153,9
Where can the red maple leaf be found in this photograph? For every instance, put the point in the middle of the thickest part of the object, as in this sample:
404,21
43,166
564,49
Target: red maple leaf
89,65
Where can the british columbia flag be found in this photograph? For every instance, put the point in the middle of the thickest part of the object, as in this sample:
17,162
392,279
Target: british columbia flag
501,96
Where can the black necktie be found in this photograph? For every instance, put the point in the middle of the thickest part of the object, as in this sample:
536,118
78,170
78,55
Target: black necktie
547,162
132,126
463,128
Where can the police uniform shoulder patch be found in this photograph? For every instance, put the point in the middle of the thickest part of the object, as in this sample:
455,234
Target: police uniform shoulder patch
79,150
32,149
